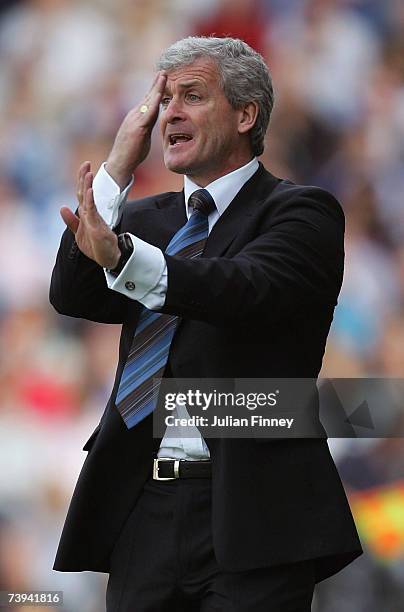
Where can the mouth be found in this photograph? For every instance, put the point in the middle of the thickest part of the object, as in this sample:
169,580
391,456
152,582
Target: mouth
178,140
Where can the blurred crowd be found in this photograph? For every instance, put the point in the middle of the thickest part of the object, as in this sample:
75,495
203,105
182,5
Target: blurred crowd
69,72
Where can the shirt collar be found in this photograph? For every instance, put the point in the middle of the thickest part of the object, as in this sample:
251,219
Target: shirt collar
224,189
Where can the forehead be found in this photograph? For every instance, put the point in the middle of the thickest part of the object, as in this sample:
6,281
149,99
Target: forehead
203,70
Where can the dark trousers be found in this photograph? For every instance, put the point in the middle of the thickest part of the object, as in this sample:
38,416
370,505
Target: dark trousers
164,561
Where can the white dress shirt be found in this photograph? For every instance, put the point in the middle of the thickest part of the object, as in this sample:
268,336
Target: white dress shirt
146,270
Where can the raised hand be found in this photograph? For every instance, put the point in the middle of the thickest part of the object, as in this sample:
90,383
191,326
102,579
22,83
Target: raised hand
132,142
93,236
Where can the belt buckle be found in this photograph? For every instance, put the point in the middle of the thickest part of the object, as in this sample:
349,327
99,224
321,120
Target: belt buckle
156,469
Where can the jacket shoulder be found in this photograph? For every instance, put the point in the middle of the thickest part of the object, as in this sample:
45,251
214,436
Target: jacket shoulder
282,192
289,193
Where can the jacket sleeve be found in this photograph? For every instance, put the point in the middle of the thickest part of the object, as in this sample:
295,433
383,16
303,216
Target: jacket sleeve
78,287
294,258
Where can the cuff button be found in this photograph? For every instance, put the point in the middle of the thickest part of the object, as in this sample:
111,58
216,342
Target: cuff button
130,286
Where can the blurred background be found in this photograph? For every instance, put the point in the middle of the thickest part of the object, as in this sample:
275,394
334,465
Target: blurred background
69,72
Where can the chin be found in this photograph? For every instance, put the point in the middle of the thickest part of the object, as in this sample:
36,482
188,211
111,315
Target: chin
180,167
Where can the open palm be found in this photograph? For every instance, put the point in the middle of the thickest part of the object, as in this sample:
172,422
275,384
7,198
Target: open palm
93,236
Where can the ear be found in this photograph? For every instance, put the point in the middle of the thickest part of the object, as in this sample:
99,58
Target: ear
248,117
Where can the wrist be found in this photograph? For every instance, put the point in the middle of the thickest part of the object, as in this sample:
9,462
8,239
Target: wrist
122,175
115,260
125,251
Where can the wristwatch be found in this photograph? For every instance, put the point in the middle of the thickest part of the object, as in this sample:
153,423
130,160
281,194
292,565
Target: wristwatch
125,245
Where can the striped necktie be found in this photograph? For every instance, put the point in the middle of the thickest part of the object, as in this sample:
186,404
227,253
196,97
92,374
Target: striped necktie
141,377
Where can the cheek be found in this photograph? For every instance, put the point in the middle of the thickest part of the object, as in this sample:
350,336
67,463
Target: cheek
211,134
217,136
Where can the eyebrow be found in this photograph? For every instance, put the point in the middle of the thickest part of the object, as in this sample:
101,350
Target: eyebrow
187,84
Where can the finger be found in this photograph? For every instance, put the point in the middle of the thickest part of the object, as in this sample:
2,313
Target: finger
87,184
161,82
84,168
90,204
158,87
156,76
71,220
153,102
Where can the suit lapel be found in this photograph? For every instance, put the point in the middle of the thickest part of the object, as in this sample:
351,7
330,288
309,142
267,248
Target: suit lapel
244,205
174,215
158,223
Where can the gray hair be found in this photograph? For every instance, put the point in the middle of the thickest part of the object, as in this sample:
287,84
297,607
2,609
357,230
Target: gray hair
243,73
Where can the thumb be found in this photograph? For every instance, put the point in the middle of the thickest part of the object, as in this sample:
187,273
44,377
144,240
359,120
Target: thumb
71,220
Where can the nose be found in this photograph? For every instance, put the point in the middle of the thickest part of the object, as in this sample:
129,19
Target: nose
174,111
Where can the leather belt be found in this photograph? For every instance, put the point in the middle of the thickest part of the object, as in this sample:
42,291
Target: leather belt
171,469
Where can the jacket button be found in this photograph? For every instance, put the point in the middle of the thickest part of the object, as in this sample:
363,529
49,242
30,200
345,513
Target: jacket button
130,286
73,250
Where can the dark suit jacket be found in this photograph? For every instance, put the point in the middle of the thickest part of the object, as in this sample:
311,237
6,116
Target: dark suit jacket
257,304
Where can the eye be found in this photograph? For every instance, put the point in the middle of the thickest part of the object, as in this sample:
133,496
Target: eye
165,101
193,97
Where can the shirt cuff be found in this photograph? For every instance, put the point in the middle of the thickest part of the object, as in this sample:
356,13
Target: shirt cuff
144,277
108,196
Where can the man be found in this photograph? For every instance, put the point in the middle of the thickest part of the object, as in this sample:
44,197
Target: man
236,276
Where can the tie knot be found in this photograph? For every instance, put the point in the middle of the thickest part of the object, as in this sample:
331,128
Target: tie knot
202,201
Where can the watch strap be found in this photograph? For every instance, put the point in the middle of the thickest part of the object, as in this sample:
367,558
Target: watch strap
125,245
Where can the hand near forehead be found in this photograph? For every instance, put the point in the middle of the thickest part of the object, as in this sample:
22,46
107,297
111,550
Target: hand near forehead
132,142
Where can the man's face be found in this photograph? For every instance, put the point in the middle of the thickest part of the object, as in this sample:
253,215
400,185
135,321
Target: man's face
199,127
